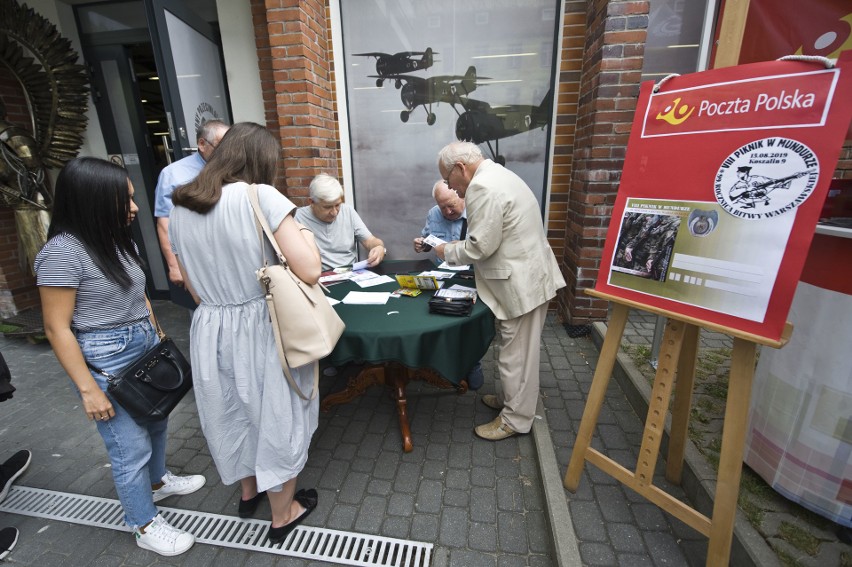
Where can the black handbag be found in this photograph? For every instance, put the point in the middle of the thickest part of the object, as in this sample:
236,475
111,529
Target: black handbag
458,306
151,387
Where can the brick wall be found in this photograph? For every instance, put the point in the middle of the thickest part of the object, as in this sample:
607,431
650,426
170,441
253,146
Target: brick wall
18,291
613,48
294,52
569,68
17,287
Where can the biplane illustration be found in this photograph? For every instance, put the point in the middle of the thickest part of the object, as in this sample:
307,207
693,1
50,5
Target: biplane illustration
395,64
452,89
478,121
484,123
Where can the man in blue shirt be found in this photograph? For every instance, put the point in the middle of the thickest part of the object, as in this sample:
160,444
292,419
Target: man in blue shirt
445,220
448,221
180,173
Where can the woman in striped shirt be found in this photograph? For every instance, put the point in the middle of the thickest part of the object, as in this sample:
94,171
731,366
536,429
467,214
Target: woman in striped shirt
92,291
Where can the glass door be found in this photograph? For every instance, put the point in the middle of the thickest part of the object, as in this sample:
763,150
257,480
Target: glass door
189,61
119,101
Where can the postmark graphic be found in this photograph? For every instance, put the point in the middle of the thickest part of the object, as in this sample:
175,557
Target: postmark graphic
204,113
701,222
766,178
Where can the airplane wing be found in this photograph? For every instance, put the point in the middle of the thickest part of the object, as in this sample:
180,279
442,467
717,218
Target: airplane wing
476,105
370,54
406,78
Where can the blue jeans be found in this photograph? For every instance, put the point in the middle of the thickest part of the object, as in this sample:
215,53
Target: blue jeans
137,453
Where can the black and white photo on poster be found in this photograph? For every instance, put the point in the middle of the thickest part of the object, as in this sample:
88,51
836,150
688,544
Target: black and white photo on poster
419,75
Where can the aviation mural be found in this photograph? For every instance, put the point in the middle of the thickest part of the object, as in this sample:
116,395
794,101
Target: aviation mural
426,92
388,66
478,121
482,123
415,75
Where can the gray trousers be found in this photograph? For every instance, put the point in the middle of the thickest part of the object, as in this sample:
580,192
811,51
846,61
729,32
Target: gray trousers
518,363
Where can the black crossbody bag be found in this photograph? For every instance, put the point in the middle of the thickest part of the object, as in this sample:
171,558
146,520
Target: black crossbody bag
150,387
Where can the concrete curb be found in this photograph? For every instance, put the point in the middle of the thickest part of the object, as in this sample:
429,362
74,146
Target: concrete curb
566,551
748,548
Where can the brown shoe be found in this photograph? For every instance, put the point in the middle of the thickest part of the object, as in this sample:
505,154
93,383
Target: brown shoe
492,401
495,430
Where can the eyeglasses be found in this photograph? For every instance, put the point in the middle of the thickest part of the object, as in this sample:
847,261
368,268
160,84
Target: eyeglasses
450,174
209,143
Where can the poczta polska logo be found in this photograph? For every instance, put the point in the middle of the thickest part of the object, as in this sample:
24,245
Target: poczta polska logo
675,113
715,109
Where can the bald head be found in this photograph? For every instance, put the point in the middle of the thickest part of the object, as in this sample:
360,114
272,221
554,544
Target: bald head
451,205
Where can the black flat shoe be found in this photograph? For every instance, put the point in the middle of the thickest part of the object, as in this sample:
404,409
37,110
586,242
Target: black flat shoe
249,507
307,498
277,535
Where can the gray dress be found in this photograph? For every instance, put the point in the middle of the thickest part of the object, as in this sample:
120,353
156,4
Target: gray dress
254,424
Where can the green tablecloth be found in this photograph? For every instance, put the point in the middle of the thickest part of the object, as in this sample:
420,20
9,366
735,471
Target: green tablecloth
404,331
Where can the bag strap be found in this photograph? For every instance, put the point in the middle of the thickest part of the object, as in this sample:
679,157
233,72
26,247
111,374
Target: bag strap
263,228
103,373
157,327
160,332
261,223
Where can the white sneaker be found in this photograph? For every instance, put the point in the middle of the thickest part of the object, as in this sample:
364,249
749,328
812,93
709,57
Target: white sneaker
161,537
174,484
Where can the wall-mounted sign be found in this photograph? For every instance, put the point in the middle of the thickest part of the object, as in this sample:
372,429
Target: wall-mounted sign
724,179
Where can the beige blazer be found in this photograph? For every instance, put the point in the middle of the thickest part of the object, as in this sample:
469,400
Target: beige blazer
516,271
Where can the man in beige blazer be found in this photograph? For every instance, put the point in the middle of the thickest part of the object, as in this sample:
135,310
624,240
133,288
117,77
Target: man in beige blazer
516,275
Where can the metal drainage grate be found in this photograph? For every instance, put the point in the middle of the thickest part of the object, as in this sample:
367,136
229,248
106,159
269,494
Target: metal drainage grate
333,546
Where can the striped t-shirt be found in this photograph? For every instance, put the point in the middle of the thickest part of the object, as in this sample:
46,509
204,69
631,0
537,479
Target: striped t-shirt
101,303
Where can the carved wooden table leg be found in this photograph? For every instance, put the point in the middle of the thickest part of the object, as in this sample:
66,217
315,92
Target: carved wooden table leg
355,387
397,377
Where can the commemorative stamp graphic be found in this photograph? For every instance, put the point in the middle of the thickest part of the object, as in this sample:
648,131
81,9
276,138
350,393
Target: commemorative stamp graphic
766,178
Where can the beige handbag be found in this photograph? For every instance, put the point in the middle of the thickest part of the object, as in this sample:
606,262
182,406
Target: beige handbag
305,324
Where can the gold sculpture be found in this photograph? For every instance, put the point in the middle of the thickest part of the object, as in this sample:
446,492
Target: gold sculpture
56,88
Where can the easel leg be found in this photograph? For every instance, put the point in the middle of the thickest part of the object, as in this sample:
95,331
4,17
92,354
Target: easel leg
600,381
658,405
731,457
682,404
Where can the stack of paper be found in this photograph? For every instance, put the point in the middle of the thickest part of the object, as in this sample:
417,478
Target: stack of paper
445,266
366,278
366,298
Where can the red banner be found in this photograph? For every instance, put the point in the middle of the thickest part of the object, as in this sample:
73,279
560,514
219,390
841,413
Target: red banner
723,182
775,28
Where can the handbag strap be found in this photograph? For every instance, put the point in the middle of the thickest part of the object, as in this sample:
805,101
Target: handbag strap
263,228
157,327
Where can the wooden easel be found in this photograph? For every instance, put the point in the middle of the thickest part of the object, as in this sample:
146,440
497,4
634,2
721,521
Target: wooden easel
677,360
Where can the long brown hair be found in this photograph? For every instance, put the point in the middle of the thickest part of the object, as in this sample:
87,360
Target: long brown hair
248,152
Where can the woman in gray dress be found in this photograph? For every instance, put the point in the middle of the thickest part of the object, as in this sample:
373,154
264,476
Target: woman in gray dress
257,428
